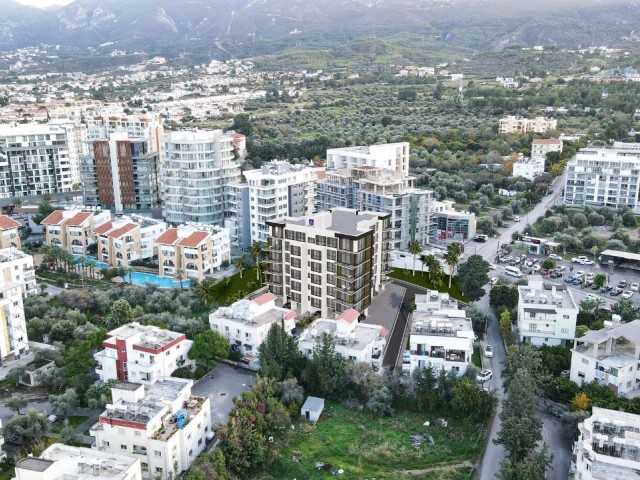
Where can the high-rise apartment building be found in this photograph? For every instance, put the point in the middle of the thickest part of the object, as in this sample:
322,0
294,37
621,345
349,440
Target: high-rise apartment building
389,156
34,160
17,267
278,189
76,143
196,171
517,124
13,334
329,261
120,172
604,177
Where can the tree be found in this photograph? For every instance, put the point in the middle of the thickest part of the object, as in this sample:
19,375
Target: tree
121,313
129,271
279,354
380,402
240,264
629,219
209,466
291,392
580,402
180,276
28,427
600,280
64,402
414,249
503,295
363,378
206,291
548,264
325,372
452,257
472,276
471,401
207,347
626,308
479,318
258,252
532,467
16,402
243,441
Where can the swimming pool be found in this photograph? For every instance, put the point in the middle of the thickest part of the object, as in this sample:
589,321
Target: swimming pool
141,279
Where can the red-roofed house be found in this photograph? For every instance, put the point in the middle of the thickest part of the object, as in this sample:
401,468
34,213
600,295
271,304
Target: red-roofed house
246,322
195,249
541,146
9,233
73,230
128,238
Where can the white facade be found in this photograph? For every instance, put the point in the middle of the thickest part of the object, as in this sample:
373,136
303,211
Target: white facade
547,314
516,124
76,143
610,357
329,261
278,189
61,462
529,167
34,160
142,353
389,156
246,322
441,336
196,170
449,223
13,334
604,177
17,267
541,146
608,447
163,425
358,342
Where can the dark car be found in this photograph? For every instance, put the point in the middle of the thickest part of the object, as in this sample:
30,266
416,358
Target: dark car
577,281
569,279
594,287
555,274
622,283
615,292
544,272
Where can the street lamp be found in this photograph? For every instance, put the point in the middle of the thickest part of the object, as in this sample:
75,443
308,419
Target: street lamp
610,263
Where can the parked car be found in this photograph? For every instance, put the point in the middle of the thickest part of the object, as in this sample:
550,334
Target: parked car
555,274
577,281
615,292
590,276
627,294
516,218
579,259
506,259
492,266
634,286
536,268
586,262
595,286
560,269
578,274
592,296
544,272
587,282
488,351
484,375
606,288
569,279
553,256
493,281
622,284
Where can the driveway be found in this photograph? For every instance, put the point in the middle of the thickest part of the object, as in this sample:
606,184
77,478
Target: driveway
385,311
222,385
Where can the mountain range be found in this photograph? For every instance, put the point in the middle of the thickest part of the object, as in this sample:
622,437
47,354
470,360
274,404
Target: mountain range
226,28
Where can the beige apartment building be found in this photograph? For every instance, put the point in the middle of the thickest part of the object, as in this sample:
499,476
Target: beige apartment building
196,249
9,237
73,230
128,238
517,124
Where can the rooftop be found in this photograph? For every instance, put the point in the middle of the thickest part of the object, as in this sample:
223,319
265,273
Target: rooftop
625,338
546,141
448,323
189,235
359,338
545,297
253,312
150,336
341,220
11,254
7,223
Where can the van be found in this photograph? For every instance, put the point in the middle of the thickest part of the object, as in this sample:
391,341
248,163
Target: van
513,271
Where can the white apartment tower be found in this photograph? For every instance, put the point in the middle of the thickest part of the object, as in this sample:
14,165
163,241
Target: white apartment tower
17,267
197,168
34,160
13,334
389,156
604,177
76,142
329,261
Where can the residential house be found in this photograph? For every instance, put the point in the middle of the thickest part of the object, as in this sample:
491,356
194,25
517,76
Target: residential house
9,236
74,230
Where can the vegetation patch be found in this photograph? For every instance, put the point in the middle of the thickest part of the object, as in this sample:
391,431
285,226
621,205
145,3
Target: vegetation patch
423,281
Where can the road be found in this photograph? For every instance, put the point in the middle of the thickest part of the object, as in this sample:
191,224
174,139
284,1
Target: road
385,310
493,455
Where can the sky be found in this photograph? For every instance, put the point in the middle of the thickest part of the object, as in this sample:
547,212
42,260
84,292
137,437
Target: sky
44,3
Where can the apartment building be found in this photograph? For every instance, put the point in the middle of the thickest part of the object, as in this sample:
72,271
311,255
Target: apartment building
528,167
609,356
246,322
62,462
197,168
197,249
359,342
448,223
17,267
9,236
76,143
388,156
13,334
441,336
128,238
517,124
34,160
74,230
277,189
329,261
377,189
121,170
142,353
163,425
604,177
547,313
541,146
608,446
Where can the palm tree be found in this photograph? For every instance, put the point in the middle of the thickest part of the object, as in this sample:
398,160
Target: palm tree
452,257
414,249
91,265
129,271
257,251
180,274
433,265
206,291
240,264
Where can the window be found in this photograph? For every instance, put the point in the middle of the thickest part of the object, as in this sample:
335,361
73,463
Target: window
191,453
123,447
585,361
566,317
199,442
138,433
199,426
158,470
316,255
564,330
157,453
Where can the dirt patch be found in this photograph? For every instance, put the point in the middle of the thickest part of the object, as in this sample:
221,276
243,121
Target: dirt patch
435,468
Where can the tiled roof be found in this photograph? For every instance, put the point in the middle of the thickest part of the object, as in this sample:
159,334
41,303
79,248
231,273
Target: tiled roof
349,316
6,223
546,141
264,298
54,218
119,232
169,237
321,175
78,219
193,240
104,228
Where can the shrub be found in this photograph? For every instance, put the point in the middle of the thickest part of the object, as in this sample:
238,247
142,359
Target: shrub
199,373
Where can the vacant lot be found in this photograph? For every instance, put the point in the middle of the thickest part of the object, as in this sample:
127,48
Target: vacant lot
367,447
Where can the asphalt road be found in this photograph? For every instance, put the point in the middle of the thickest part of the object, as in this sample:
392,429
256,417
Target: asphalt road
385,310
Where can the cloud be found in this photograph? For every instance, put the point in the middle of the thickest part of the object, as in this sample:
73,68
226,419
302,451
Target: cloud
44,3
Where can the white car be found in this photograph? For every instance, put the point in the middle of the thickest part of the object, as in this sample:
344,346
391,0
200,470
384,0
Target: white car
553,256
536,267
560,269
586,262
635,286
493,281
516,218
579,259
488,351
590,276
627,294
591,296
52,418
484,375
578,274
492,266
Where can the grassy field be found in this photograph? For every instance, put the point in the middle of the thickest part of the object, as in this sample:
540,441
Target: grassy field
74,422
368,447
423,280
